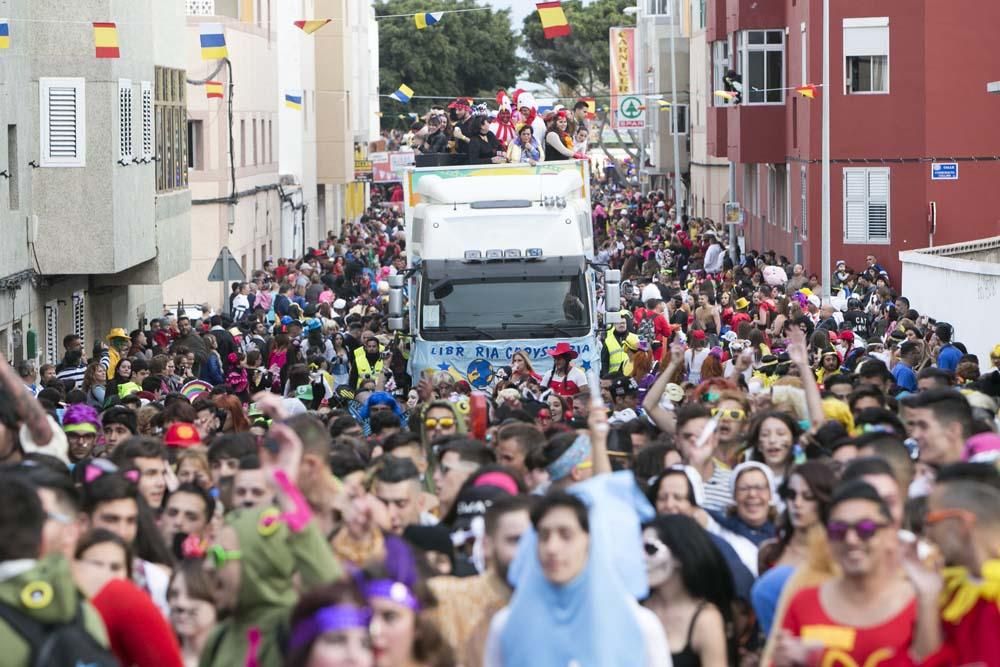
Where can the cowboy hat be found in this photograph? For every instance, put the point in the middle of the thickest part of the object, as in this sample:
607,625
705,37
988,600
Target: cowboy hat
118,332
563,349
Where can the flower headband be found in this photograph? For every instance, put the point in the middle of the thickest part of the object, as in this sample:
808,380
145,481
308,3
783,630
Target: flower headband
395,591
329,619
577,453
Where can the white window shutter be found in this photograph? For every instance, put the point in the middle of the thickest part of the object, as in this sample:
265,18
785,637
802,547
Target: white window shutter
125,152
878,205
856,205
80,315
51,332
147,121
63,113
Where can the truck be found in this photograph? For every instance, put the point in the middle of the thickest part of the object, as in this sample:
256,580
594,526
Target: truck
500,259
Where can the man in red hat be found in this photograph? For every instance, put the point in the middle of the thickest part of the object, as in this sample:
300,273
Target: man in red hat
463,114
564,378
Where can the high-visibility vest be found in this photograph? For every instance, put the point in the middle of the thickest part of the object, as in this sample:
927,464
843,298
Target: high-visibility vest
364,368
616,353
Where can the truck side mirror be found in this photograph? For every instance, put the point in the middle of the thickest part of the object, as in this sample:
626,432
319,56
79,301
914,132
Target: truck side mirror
612,296
397,321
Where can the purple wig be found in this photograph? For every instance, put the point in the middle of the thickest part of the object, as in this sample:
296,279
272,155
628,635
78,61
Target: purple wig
80,413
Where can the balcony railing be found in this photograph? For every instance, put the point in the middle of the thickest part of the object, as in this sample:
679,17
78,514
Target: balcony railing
200,7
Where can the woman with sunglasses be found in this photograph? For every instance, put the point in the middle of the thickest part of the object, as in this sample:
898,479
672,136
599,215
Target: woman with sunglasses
690,591
806,493
869,600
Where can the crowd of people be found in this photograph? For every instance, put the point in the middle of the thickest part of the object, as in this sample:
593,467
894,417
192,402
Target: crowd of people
756,476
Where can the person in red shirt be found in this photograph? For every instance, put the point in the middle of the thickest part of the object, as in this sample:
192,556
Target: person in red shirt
564,379
868,615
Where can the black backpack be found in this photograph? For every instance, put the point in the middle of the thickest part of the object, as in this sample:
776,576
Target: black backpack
65,645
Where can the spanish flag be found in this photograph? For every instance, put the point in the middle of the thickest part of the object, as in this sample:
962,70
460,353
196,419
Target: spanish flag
213,90
213,42
591,107
309,27
425,19
554,23
403,94
293,100
808,90
4,34
106,40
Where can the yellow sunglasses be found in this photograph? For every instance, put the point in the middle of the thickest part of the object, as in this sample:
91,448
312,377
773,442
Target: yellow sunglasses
737,415
444,422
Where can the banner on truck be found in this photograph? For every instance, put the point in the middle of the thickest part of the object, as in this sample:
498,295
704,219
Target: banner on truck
477,362
521,169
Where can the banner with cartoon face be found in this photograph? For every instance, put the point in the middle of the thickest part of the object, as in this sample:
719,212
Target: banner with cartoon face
483,363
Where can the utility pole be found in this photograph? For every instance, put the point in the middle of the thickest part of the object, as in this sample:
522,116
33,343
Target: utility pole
825,175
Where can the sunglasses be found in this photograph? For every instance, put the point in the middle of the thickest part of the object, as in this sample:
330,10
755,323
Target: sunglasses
865,529
220,556
444,422
792,495
736,415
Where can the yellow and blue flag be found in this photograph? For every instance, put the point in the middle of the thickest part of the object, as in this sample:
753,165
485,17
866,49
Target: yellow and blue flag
293,100
4,34
425,19
213,42
403,94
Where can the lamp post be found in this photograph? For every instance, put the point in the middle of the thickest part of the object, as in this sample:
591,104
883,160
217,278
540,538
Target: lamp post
825,171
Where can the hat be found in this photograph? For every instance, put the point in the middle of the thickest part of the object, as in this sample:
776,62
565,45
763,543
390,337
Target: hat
313,325
840,261
182,435
339,304
848,336
563,349
730,336
814,300
741,303
473,502
674,392
624,387
118,332
982,447
753,465
697,334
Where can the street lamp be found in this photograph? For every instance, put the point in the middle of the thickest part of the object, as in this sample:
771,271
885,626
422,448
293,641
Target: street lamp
825,170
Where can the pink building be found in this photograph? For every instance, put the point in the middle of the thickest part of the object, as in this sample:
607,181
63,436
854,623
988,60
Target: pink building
909,112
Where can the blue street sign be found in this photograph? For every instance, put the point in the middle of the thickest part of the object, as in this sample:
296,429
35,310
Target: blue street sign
944,171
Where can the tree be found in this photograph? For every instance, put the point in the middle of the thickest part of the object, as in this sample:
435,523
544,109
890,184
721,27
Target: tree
581,59
468,53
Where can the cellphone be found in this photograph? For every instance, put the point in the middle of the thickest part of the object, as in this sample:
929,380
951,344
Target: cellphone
271,445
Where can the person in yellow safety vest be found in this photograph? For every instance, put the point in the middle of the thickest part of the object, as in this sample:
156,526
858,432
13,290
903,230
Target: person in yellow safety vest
613,354
368,362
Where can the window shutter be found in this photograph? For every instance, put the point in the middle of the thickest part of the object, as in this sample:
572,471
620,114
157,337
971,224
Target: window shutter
125,120
147,121
51,332
80,315
805,201
855,205
62,105
878,205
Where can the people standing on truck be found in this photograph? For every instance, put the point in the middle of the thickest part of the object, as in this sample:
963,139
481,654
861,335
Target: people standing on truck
564,379
436,140
524,148
558,142
483,145
462,131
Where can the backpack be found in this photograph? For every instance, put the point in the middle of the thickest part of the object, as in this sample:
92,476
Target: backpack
65,645
646,331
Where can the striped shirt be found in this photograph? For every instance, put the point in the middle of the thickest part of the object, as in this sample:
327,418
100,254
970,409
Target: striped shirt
718,497
72,374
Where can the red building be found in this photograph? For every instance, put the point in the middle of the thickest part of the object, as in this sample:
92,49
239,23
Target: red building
907,92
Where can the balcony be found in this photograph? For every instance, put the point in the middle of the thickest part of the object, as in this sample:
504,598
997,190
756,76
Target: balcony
754,14
755,133
717,131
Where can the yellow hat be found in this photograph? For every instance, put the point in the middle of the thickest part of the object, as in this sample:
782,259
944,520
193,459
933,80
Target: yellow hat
741,303
118,332
995,352
631,342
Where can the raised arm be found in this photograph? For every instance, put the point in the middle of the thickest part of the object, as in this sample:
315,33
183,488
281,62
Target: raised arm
665,420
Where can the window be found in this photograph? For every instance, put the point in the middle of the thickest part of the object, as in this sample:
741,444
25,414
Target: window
169,107
804,227
699,10
660,7
146,102
750,188
720,65
195,145
866,205
270,139
777,190
243,142
124,121
80,315
679,119
805,52
866,53
253,129
13,184
762,64
62,104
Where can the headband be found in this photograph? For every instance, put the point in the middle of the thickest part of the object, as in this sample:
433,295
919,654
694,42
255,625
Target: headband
577,453
328,619
82,427
498,480
396,591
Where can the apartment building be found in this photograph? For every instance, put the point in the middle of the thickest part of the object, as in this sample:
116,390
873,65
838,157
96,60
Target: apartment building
914,137
94,201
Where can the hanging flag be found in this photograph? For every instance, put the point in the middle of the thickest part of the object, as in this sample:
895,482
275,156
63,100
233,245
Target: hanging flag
664,105
425,19
4,34
213,90
725,94
106,40
808,90
591,107
554,23
293,100
213,42
309,27
403,94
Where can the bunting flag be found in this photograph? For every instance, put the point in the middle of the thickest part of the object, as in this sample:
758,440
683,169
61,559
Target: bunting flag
4,34
425,19
309,27
726,95
213,42
591,107
106,40
663,104
554,23
293,100
403,94
808,90
213,90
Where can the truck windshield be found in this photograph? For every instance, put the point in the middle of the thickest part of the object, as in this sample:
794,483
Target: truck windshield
456,309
